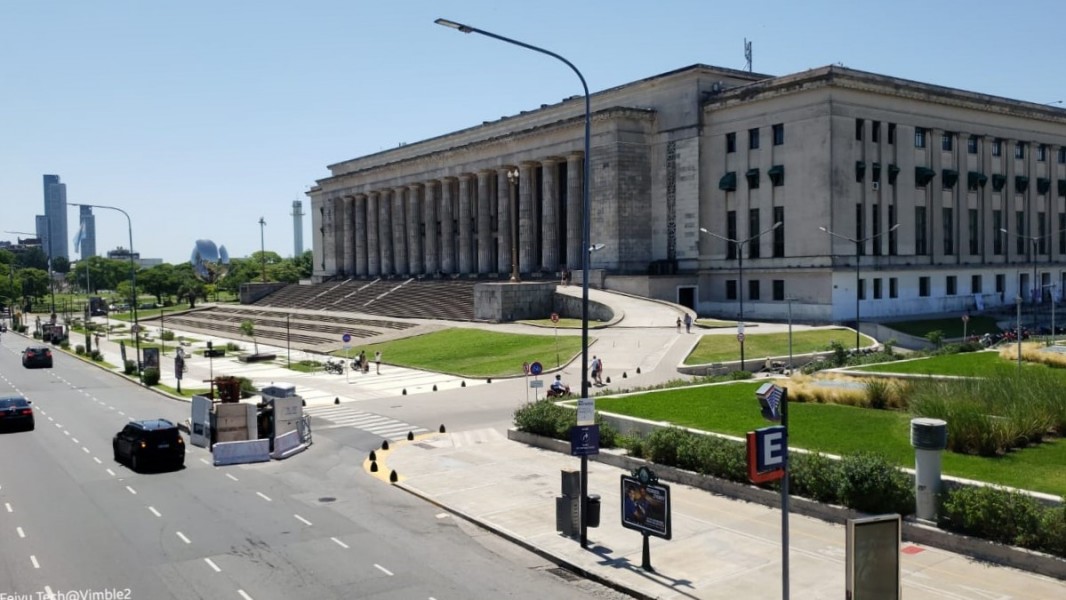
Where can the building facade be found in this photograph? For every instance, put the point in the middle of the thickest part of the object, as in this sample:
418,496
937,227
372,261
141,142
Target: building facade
730,192
55,214
85,240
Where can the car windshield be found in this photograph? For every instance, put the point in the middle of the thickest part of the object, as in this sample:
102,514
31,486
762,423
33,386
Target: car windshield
13,403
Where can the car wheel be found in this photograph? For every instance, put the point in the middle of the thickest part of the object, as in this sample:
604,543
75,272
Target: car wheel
114,452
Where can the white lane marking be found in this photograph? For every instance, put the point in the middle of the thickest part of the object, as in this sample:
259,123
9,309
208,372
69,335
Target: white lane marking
65,432
48,593
58,426
21,533
98,461
340,543
243,595
303,520
212,564
154,511
33,559
84,449
132,491
110,407
75,440
51,419
122,413
183,538
232,477
7,505
110,472
383,569
264,496
205,461
130,418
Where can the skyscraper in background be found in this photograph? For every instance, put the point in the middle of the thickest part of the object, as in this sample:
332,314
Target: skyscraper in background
85,239
297,228
55,212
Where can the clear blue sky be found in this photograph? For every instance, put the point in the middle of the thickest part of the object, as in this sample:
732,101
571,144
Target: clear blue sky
198,117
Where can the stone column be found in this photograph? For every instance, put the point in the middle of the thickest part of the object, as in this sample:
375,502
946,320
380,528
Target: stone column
349,238
414,230
432,241
574,206
503,221
329,252
526,242
360,235
447,225
484,222
338,236
373,244
466,243
550,211
385,232
399,231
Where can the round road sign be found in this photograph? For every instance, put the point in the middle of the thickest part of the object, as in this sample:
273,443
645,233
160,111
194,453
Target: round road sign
740,338
555,317
965,318
346,338
536,368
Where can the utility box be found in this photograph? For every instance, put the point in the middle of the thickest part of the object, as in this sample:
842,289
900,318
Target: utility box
568,505
571,483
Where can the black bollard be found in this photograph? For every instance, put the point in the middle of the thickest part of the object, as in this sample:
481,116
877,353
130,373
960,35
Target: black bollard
624,375
385,444
404,391
336,400
638,370
434,387
489,380
373,456
462,383
442,427
393,477
608,380
374,466
410,435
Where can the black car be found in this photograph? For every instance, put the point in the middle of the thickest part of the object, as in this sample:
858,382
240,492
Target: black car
37,356
15,414
150,443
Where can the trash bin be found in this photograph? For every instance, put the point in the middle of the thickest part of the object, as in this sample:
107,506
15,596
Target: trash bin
593,504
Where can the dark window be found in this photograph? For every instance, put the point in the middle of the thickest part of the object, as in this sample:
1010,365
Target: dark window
952,284
893,287
893,247
997,147
753,230
997,232
1041,152
1019,150
779,289
972,226
779,233
971,144
1001,284
1041,227
875,131
860,124
1062,155
730,143
877,288
1019,231
860,225
731,233
753,289
1062,233
919,137
975,284
947,141
875,216
731,289
891,133
779,134
948,216
753,139
923,286
920,231
862,289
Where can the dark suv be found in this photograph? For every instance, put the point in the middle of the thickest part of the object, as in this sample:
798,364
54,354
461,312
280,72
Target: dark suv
37,356
150,443
15,413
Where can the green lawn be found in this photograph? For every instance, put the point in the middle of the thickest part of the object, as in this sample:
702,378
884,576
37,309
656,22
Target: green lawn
733,409
564,323
474,352
952,326
715,323
962,364
758,346
185,391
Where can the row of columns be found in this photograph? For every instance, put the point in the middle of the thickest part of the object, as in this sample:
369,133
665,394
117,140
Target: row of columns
448,225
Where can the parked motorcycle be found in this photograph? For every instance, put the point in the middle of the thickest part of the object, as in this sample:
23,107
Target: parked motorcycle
335,367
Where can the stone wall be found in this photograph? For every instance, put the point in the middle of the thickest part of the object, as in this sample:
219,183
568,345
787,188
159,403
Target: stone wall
252,292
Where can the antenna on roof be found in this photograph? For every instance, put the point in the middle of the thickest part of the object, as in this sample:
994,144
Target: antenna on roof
747,53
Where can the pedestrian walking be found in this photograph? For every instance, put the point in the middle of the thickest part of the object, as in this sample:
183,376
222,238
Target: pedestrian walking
377,361
679,324
688,323
597,370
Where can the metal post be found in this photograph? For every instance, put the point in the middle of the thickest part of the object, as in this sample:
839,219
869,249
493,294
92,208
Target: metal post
858,296
162,340
784,495
288,346
790,299
262,248
740,294
512,178
1018,302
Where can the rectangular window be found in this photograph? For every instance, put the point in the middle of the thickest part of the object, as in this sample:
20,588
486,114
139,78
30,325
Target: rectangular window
731,289
997,232
731,233
730,143
779,289
893,287
875,217
779,233
753,289
923,286
753,230
877,288
947,141
860,229
1019,231
1062,233
948,215
997,147
1041,227
975,284
891,133
952,284
875,131
1041,152
919,137
920,231
860,124
1019,150
972,227
1062,155
971,144
779,134
1001,284
862,289
893,247
753,139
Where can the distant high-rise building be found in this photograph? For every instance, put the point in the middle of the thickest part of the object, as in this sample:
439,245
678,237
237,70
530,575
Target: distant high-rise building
55,211
297,228
85,239
41,227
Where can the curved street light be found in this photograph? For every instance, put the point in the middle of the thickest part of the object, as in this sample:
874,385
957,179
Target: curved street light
859,243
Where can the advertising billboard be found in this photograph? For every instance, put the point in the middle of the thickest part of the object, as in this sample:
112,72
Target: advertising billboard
646,507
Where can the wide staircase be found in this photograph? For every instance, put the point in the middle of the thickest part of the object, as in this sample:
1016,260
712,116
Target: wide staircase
451,300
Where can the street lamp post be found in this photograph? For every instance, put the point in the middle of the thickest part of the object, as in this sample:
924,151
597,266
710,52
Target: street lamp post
133,280
859,243
739,245
585,225
1052,286
1018,332
512,178
262,248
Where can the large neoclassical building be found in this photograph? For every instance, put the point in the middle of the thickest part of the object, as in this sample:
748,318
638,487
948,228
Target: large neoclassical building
949,200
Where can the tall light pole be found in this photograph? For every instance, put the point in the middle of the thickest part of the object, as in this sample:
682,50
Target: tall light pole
133,280
585,225
512,178
1018,304
262,248
739,246
1052,286
859,243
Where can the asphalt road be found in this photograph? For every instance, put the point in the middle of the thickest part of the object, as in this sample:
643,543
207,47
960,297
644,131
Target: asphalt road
315,526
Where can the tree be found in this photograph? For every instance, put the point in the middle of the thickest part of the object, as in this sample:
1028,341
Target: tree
159,280
34,258
285,272
305,263
34,283
248,330
189,290
60,264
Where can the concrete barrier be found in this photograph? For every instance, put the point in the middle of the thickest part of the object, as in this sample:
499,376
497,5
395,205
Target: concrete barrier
235,453
287,444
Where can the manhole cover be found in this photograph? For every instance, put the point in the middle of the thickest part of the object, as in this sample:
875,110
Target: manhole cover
327,499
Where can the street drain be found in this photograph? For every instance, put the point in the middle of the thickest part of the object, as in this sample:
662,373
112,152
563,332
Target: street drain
563,574
327,499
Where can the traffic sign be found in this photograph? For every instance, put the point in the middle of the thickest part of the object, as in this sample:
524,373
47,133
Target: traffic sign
586,411
536,368
740,338
965,318
555,317
346,338
584,440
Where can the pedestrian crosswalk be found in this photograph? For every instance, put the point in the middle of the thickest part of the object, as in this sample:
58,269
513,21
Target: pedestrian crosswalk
346,415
